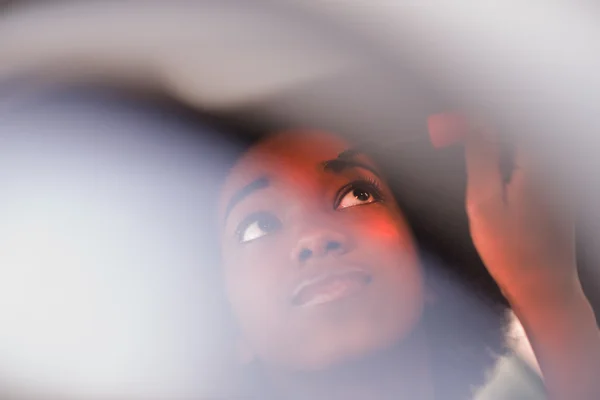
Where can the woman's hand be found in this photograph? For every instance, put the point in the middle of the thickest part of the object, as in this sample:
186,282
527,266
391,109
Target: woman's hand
526,241
523,235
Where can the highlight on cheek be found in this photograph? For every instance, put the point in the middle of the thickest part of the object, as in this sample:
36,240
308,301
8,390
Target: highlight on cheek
382,228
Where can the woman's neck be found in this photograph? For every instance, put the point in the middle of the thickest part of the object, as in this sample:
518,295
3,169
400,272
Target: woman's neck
394,373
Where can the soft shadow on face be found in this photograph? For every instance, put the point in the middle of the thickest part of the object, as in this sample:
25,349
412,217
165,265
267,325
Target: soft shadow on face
320,266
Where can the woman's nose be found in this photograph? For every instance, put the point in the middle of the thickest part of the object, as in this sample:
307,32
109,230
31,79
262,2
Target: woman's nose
318,244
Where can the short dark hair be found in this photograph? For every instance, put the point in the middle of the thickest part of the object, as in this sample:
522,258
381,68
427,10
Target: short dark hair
467,324
429,187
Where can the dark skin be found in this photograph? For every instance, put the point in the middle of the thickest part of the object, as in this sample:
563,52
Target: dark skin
292,220
293,341
528,247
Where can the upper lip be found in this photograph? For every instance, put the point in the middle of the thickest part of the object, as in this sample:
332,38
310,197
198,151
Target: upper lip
321,276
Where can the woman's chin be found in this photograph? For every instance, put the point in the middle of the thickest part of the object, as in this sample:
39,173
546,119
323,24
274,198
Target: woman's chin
333,355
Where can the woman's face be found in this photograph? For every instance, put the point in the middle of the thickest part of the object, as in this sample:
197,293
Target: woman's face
319,264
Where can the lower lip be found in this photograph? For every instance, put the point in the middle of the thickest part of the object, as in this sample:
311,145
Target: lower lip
335,290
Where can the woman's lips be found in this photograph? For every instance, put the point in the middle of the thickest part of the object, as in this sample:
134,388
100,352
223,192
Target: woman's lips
330,286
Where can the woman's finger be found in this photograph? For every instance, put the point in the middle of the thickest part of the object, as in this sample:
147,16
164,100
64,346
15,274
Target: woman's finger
446,129
485,184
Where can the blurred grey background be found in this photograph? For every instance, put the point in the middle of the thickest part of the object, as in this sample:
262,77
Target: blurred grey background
373,69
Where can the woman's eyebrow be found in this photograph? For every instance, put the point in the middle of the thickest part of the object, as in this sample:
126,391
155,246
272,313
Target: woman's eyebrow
346,160
241,194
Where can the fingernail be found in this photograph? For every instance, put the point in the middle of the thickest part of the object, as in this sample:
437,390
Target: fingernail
446,129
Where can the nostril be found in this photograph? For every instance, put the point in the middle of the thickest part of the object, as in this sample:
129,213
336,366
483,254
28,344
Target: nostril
305,254
333,246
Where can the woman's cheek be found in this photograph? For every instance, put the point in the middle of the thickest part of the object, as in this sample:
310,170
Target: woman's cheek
254,269
385,228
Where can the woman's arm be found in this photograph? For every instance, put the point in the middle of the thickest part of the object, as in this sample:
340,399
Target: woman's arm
527,244
564,336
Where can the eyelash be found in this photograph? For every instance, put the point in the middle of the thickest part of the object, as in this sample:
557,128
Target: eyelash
370,184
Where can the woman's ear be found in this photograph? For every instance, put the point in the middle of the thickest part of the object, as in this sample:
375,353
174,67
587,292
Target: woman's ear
243,353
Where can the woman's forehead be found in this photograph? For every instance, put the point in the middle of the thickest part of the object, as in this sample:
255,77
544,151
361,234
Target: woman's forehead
283,153
302,144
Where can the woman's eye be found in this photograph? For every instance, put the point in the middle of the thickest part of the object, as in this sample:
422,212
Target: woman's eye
257,226
357,195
